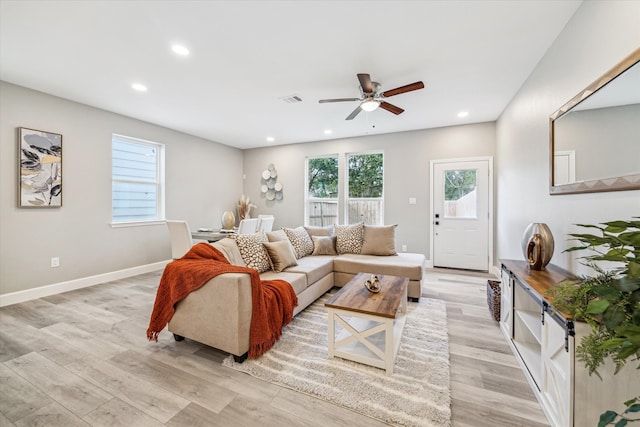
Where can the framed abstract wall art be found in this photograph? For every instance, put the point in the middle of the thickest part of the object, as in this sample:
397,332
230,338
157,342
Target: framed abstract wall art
40,169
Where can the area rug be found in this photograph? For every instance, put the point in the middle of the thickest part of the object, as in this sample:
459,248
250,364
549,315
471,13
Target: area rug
416,394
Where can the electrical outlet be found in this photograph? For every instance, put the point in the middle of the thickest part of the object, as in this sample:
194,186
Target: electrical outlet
404,248
55,262
412,200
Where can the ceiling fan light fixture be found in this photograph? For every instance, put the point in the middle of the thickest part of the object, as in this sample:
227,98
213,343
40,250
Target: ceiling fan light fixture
370,105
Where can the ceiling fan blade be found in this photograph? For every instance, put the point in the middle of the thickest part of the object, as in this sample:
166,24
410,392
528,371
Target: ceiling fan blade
322,101
365,83
403,89
354,113
391,108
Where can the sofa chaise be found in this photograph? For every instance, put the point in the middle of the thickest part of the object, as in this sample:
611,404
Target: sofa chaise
311,259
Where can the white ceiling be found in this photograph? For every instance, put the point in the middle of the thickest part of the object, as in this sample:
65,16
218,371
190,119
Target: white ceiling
246,55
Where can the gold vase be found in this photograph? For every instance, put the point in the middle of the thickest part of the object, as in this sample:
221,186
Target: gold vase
537,245
228,220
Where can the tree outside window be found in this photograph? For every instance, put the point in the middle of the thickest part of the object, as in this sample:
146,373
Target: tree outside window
322,191
365,188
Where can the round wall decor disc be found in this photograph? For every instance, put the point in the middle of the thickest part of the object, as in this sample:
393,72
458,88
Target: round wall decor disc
271,194
266,174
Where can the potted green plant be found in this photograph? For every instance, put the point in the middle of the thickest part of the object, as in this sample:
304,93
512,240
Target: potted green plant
608,301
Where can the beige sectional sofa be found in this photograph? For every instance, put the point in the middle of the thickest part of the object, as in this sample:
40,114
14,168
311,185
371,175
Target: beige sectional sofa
219,313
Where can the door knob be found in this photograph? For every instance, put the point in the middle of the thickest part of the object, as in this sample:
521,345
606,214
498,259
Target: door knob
437,222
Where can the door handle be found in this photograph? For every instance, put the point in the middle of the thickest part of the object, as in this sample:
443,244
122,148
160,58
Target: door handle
436,222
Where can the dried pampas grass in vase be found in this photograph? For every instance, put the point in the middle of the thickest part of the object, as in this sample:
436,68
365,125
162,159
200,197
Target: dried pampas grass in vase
244,207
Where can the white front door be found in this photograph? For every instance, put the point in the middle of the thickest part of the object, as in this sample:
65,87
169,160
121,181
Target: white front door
460,214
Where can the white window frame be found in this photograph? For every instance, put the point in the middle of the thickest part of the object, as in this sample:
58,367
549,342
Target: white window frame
347,199
307,199
159,182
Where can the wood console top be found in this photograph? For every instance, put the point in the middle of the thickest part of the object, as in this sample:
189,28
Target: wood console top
539,280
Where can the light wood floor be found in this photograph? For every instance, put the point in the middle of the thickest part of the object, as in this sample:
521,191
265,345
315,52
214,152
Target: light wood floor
82,358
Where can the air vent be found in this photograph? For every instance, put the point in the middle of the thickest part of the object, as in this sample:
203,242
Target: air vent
291,99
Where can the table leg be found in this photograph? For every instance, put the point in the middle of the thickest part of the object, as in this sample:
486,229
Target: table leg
331,336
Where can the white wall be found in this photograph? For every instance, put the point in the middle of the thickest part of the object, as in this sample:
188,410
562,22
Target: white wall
406,164
202,180
599,35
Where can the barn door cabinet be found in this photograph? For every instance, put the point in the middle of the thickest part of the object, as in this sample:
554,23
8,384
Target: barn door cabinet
544,340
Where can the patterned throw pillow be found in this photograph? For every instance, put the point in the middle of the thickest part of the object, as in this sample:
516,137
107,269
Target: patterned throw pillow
300,240
349,238
253,251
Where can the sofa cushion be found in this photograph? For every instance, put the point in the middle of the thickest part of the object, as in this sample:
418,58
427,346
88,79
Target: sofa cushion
281,255
229,248
320,231
404,264
315,267
379,240
298,281
300,240
324,245
253,251
349,238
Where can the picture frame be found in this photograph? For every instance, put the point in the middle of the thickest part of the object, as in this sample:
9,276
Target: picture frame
39,169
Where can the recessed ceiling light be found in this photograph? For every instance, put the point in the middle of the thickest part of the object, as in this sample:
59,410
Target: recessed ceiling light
328,131
180,50
139,87
463,114
270,139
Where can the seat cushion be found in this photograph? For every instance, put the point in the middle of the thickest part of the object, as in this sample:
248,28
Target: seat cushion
404,264
315,267
298,281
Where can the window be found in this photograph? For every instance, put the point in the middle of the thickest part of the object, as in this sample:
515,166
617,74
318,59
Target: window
321,204
460,193
365,182
137,180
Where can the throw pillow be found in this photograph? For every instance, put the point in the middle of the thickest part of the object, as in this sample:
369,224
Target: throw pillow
379,240
324,245
349,238
300,240
275,236
281,254
229,248
320,231
253,251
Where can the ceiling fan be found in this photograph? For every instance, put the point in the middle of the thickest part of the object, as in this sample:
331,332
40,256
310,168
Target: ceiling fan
371,97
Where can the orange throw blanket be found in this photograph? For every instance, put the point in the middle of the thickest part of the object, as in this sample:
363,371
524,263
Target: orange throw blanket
273,300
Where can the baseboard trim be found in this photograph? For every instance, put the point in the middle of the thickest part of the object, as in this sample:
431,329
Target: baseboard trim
83,282
429,263
495,270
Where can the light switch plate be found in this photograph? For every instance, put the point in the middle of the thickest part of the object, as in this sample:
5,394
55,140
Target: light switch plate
412,200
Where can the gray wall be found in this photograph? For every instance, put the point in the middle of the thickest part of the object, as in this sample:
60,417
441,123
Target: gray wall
202,180
599,35
406,162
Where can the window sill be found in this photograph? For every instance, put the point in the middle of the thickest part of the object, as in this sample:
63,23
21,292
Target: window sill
137,223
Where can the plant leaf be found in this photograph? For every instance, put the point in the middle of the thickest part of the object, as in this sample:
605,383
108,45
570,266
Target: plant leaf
597,306
623,422
613,316
626,284
631,238
631,402
607,417
634,270
632,408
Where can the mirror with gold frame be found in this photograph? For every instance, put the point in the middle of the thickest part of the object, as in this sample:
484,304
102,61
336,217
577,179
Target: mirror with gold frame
595,137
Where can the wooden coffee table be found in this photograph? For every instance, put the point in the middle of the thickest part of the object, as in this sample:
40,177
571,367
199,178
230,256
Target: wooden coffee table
372,323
